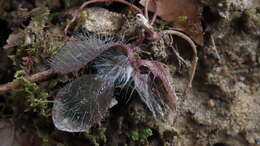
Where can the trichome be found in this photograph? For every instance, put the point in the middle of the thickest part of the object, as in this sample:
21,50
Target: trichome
86,100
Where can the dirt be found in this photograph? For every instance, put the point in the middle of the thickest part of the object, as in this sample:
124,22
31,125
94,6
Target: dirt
221,109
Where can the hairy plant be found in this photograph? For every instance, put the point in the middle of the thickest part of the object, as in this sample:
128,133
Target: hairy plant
82,103
79,51
86,100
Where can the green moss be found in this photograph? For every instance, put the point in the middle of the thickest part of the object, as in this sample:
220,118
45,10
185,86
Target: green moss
92,139
180,19
53,15
134,135
35,98
140,134
19,74
3,15
39,41
41,16
67,3
101,134
45,138
97,136
251,20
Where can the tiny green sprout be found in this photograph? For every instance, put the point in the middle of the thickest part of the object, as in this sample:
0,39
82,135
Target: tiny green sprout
97,136
134,135
19,74
180,19
148,132
140,134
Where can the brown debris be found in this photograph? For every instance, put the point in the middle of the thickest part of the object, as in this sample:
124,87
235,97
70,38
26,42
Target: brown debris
171,10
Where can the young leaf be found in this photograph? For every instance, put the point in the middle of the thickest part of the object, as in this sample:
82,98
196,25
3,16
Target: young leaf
82,103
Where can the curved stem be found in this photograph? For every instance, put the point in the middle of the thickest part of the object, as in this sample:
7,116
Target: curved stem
77,12
155,12
194,49
146,9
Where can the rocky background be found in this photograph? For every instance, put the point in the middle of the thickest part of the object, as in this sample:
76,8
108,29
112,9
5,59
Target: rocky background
221,109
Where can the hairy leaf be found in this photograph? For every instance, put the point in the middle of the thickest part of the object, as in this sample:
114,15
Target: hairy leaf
159,85
114,67
82,103
79,51
150,96
85,101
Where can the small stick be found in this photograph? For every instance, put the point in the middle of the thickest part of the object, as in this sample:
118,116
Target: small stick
34,78
194,59
214,47
146,9
77,12
179,58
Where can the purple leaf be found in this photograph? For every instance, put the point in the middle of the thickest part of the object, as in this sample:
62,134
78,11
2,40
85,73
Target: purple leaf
145,88
156,90
85,101
79,51
82,103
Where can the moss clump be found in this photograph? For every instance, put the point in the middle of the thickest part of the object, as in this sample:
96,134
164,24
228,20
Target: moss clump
251,20
97,136
38,41
140,134
35,99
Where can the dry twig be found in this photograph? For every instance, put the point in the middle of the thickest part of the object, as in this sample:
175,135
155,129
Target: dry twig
155,4
146,9
34,78
194,49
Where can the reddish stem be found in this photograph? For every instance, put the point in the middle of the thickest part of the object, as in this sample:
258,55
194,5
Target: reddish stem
126,49
77,12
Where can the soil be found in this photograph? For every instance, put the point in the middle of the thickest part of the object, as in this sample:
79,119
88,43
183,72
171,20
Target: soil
221,109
